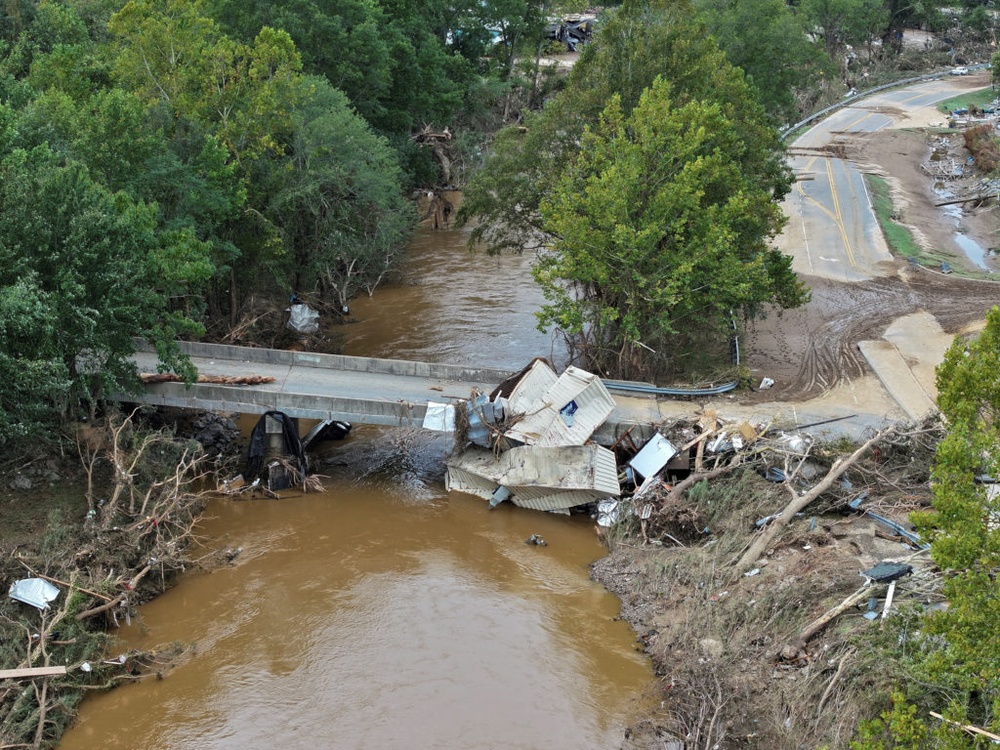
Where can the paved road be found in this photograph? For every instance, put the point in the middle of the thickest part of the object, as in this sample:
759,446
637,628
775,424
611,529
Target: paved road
832,230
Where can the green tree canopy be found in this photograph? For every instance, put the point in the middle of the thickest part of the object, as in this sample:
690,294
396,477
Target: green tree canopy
524,196
768,40
657,231
949,659
82,271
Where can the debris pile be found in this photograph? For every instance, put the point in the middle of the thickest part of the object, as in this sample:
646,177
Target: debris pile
531,442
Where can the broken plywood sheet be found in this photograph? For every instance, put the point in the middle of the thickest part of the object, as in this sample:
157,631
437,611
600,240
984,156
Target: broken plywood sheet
569,411
553,478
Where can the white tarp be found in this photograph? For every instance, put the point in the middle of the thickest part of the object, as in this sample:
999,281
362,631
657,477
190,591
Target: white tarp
34,591
303,319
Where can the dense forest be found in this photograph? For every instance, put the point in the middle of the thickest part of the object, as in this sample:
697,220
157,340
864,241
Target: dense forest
166,165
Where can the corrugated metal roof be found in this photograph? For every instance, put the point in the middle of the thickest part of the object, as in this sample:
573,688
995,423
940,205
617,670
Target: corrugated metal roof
543,425
552,478
532,387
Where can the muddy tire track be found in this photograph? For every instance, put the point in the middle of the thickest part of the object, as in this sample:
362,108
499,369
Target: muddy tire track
812,350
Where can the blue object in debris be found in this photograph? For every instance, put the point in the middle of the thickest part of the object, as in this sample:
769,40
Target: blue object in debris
500,494
856,502
774,474
887,571
899,530
567,413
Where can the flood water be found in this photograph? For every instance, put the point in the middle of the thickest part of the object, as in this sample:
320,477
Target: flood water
455,307
387,613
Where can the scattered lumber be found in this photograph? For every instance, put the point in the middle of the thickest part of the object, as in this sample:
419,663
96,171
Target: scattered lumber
169,377
16,674
798,644
967,727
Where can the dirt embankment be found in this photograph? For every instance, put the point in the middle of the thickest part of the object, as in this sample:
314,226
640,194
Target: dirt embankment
744,655
725,641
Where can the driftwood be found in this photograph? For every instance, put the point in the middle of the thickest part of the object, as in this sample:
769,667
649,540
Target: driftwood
692,479
796,505
169,377
118,599
981,197
967,727
797,644
13,674
437,143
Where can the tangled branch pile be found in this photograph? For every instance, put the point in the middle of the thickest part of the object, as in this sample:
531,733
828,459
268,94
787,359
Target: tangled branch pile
743,585
141,510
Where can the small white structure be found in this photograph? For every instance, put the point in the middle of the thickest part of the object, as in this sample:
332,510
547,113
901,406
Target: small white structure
565,411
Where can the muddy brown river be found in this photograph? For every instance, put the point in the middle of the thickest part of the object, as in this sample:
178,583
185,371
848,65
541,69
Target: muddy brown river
387,613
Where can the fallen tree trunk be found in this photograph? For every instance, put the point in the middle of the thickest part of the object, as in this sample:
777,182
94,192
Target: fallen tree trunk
130,586
797,644
841,465
692,479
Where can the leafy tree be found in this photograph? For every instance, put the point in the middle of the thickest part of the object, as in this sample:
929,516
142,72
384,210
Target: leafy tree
339,206
642,40
174,55
768,40
349,42
964,657
82,271
841,22
952,663
529,165
656,231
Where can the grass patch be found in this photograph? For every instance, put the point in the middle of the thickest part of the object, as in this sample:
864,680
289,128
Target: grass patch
898,237
969,100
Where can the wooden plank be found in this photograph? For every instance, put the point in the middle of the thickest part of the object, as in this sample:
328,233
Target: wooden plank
13,674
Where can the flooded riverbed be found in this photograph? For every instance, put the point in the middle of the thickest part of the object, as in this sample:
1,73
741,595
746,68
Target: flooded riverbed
387,613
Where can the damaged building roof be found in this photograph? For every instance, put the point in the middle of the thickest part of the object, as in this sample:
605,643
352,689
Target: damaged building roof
551,478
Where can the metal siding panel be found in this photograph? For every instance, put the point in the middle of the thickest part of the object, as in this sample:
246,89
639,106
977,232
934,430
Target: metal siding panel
545,427
552,478
555,500
532,387
606,473
461,480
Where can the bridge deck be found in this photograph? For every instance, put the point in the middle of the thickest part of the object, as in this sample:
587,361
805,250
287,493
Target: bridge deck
357,389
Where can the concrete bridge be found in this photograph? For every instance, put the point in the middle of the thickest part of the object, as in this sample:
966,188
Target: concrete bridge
360,390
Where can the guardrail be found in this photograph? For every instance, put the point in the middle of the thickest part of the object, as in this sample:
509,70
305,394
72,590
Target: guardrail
861,95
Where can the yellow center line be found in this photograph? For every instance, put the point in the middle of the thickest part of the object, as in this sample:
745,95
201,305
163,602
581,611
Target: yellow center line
836,210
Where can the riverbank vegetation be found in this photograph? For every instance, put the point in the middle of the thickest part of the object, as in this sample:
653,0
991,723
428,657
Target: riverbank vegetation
119,542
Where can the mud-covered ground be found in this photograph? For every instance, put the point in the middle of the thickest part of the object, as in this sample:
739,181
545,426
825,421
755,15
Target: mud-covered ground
809,350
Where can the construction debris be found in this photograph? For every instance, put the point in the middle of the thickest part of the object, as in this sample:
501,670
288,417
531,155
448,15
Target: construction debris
34,591
169,377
